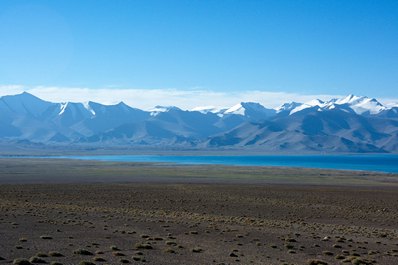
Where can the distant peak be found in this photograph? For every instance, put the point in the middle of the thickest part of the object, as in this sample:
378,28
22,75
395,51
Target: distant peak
25,97
315,102
293,103
251,104
236,109
349,99
164,108
25,94
157,109
249,109
288,106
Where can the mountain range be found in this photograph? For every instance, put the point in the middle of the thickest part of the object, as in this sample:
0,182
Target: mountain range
349,124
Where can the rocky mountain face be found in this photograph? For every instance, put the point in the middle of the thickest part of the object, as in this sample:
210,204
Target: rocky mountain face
349,124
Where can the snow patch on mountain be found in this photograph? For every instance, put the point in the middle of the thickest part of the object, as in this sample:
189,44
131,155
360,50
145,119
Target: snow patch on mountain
288,106
88,107
248,108
238,109
62,108
309,104
208,109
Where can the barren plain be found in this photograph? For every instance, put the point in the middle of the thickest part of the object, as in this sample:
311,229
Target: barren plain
86,212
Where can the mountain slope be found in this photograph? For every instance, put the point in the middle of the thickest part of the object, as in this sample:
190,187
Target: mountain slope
333,130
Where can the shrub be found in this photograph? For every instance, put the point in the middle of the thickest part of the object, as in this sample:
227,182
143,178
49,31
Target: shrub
317,262
143,246
197,250
84,262
21,262
55,254
37,260
82,252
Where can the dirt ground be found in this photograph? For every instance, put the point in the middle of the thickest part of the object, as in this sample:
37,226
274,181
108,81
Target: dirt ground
197,223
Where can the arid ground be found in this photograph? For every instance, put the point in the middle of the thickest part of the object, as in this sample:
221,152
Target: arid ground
84,212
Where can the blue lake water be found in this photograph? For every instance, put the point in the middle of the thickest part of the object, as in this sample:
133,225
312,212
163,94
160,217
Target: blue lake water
374,162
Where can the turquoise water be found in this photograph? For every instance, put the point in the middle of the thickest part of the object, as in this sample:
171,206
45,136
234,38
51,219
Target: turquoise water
374,162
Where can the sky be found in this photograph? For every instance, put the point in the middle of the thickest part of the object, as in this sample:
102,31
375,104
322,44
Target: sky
192,51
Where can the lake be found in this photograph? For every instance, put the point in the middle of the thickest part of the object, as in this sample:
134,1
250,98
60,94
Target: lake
374,162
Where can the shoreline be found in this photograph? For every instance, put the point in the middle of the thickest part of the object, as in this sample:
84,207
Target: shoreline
346,162
32,170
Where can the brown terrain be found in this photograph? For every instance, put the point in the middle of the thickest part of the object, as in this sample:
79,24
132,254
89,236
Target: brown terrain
84,212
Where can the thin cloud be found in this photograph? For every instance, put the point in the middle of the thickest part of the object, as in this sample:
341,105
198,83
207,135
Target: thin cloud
148,98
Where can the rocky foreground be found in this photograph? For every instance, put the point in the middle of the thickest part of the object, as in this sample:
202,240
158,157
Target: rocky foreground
167,223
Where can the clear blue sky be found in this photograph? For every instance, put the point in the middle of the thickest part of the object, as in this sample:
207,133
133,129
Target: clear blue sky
308,47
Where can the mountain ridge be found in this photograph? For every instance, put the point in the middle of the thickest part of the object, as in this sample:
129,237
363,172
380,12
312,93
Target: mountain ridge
349,124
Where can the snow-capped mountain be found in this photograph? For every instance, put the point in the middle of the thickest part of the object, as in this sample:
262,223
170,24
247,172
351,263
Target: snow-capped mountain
347,124
251,110
360,105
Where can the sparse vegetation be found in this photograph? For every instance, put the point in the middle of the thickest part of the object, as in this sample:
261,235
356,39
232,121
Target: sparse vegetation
266,225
